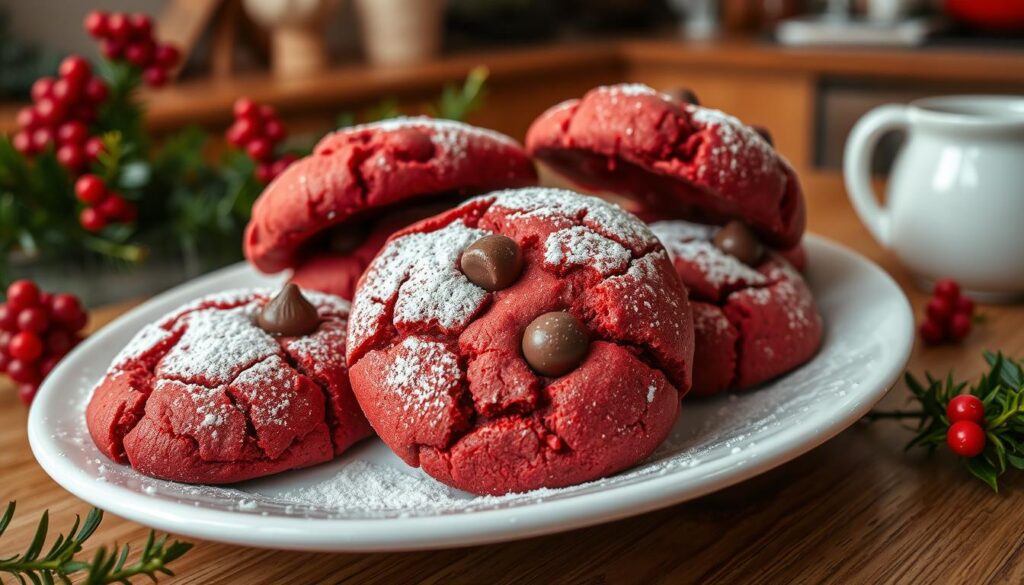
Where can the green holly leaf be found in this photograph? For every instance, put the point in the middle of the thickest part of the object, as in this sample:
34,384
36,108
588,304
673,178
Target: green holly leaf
983,470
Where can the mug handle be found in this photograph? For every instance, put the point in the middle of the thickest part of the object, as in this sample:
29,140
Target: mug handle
857,166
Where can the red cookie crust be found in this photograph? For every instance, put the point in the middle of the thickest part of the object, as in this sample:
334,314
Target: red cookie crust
436,363
206,396
688,161
751,324
359,173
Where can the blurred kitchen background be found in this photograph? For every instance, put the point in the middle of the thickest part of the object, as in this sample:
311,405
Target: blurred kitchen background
806,70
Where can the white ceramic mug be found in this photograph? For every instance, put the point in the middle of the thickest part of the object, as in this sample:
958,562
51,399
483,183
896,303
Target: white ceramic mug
955,198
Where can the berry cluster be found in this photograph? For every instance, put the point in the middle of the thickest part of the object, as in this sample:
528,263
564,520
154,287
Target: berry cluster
949,314
258,130
102,206
36,330
60,115
129,37
966,414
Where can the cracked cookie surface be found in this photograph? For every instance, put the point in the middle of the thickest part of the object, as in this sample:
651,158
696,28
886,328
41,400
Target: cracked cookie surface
436,361
206,396
354,182
751,323
680,160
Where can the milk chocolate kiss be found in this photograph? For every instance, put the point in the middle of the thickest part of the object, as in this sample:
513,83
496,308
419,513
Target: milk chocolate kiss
289,314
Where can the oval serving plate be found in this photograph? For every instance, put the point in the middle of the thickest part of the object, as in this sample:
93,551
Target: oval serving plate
369,500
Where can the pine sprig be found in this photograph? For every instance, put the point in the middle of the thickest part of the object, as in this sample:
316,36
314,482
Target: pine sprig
457,103
59,563
1001,391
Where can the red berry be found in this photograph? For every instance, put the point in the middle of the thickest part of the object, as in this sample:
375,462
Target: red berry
22,142
47,364
947,288
33,319
155,76
59,342
267,112
45,299
959,326
22,371
965,305
259,149
113,207
139,53
50,111
932,333
42,88
118,26
90,189
66,92
96,90
42,138
75,69
965,407
966,438
73,132
278,167
96,23
264,173
112,48
5,341
78,324
25,346
241,132
72,157
130,214
27,118
92,220
245,108
84,112
274,130
167,56
22,294
141,25
27,393
93,148
8,318
66,308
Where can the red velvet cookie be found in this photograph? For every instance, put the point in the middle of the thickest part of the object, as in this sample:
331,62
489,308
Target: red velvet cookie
680,159
751,323
449,373
205,395
328,214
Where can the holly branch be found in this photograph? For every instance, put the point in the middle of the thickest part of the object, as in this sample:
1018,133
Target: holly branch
982,423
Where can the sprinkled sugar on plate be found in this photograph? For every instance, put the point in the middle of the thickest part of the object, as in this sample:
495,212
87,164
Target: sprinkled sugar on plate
368,500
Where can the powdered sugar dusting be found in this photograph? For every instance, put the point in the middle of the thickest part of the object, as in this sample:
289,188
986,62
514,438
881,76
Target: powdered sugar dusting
375,488
681,231
604,217
420,270
446,132
689,241
709,319
581,246
217,345
422,374
740,145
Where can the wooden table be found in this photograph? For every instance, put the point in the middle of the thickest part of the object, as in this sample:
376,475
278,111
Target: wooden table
855,510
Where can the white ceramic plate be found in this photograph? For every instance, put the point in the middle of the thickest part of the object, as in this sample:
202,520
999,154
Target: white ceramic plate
389,506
